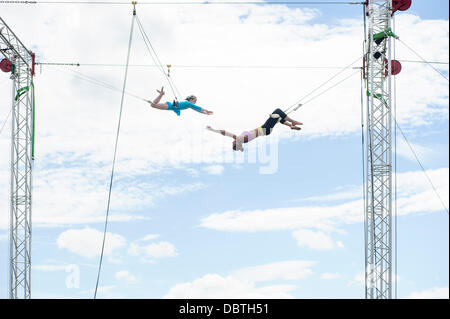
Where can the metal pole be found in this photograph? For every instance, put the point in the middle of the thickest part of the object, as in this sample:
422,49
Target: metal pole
379,155
21,162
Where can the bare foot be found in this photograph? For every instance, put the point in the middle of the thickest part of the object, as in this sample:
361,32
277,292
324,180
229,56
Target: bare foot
296,128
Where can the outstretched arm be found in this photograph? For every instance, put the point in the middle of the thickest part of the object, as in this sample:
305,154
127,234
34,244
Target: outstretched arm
223,132
205,111
200,109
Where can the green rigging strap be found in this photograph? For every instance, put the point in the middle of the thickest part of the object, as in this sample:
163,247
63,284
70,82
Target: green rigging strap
33,128
21,92
377,96
384,34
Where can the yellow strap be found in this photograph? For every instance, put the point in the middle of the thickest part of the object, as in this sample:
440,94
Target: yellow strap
260,131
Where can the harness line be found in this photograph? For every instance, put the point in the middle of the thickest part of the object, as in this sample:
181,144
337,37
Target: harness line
115,153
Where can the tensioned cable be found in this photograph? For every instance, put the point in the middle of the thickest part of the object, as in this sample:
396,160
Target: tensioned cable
395,171
167,76
6,120
364,163
331,87
212,66
115,153
334,76
150,48
410,146
9,113
97,82
156,59
429,62
425,61
198,66
187,2
421,166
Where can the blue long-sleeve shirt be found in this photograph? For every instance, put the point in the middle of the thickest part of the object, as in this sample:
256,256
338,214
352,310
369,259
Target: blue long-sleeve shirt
183,106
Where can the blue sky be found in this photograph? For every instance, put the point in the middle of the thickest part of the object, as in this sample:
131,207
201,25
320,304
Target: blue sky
190,219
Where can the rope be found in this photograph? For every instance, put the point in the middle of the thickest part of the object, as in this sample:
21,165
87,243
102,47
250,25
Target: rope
6,120
429,62
421,166
97,82
207,66
363,163
297,104
184,3
115,153
423,59
395,172
331,87
363,159
33,124
156,59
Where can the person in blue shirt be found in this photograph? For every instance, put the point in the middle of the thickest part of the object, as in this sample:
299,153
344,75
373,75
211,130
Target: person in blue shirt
177,107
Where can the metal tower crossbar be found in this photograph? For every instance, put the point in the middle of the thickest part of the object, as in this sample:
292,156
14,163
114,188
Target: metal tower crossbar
22,62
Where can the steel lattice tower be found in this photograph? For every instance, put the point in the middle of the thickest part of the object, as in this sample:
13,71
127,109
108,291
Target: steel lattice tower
378,162
22,127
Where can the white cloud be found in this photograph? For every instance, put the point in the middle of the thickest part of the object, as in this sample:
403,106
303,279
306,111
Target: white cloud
87,242
433,293
161,249
242,283
216,286
214,169
149,237
285,270
49,267
55,204
350,192
358,280
126,276
4,237
415,196
312,226
422,152
321,217
315,240
330,276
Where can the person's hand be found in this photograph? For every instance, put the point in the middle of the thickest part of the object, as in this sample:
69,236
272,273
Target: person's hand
209,112
161,92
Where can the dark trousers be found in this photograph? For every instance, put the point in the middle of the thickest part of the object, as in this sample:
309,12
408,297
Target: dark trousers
271,122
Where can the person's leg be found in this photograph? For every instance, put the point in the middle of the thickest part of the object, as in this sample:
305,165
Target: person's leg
157,105
160,106
285,118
